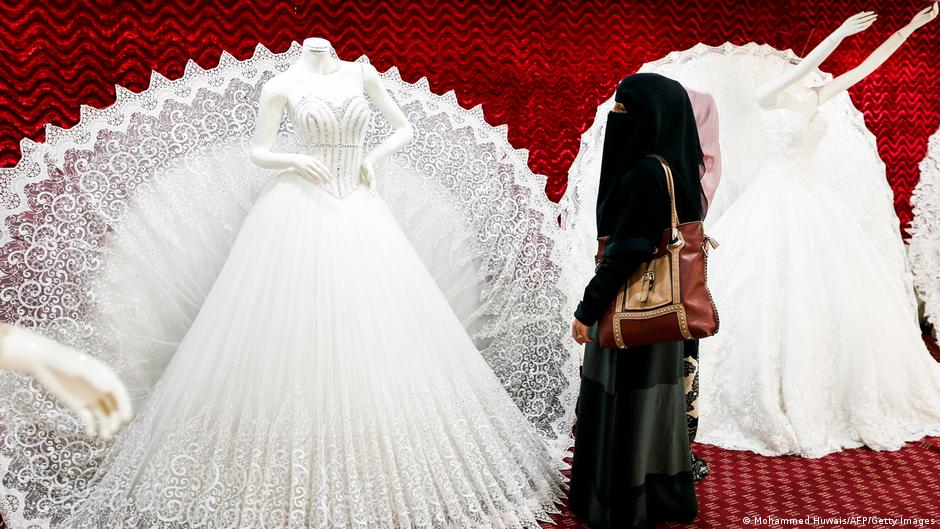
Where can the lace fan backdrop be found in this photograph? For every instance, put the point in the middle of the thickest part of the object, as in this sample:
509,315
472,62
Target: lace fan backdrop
924,249
133,211
730,74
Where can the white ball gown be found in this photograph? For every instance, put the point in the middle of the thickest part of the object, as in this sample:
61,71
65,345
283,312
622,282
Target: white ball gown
819,347
316,369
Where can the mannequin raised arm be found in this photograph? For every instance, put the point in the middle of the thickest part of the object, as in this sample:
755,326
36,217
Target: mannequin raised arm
877,57
768,93
403,131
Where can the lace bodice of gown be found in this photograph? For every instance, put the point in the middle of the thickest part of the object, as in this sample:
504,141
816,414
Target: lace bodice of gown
790,143
334,133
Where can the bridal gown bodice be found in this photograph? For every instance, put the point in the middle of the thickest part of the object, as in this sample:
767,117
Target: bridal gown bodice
791,141
334,133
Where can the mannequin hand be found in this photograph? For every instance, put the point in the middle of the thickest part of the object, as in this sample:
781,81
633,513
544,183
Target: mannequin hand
310,168
579,332
921,19
367,173
81,382
856,23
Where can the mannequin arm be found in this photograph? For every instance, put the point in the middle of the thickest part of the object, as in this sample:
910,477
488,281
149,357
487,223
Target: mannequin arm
270,111
877,57
403,131
768,92
81,382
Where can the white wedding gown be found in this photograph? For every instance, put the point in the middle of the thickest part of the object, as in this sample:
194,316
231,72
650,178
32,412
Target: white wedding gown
818,348
325,382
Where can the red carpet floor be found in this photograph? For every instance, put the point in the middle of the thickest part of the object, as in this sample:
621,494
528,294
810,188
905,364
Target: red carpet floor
858,482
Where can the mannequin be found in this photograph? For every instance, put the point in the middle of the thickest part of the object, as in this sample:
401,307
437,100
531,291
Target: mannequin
81,382
333,79
806,362
787,92
325,379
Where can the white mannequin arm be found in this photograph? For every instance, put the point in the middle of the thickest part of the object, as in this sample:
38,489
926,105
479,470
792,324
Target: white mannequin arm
877,57
81,382
767,93
270,111
403,134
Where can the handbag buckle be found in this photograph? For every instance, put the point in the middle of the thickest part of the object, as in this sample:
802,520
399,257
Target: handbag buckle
648,279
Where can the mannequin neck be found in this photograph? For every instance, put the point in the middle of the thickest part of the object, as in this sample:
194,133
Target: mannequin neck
316,56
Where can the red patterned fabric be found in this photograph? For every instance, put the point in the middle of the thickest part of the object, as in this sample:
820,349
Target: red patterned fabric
540,66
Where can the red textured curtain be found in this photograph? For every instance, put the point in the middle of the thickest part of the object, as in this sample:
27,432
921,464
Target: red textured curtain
540,67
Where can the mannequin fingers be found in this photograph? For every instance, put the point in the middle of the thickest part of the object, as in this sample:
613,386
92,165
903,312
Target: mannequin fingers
88,419
123,400
102,422
306,172
114,420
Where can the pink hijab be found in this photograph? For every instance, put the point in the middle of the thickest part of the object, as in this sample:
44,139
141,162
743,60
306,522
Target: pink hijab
706,119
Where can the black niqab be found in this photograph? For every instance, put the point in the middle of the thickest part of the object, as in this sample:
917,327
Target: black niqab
658,120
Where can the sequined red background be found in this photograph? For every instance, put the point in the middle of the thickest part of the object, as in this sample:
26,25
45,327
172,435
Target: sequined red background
541,67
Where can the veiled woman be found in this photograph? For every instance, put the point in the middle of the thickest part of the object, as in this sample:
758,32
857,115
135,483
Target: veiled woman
632,463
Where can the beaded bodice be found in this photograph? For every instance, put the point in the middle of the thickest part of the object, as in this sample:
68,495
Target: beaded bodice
334,133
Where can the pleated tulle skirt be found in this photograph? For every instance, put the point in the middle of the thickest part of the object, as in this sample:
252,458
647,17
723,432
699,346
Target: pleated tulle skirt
325,383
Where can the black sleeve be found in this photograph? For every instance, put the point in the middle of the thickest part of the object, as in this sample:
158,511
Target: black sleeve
639,211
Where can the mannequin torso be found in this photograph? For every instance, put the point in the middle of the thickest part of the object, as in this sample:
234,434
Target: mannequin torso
322,75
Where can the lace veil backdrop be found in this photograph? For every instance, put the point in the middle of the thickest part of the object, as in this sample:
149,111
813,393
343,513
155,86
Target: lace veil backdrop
114,230
731,73
924,249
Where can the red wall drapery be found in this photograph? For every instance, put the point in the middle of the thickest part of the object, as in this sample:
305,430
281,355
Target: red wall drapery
540,67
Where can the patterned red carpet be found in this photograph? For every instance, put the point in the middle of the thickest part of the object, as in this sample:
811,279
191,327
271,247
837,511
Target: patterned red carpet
853,483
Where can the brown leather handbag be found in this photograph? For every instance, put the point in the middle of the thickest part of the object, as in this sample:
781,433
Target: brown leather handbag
667,298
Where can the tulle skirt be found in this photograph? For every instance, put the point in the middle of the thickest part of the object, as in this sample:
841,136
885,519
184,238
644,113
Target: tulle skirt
325,383
819,348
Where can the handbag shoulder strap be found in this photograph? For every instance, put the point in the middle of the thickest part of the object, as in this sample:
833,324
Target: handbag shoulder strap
670,185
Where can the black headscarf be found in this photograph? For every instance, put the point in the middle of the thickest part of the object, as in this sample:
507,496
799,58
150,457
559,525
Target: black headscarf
658,120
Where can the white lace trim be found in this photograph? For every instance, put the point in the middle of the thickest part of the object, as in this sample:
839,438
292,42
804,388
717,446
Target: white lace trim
924,249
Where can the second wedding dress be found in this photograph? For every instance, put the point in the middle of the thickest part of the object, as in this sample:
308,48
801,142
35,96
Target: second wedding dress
325,382
819,349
